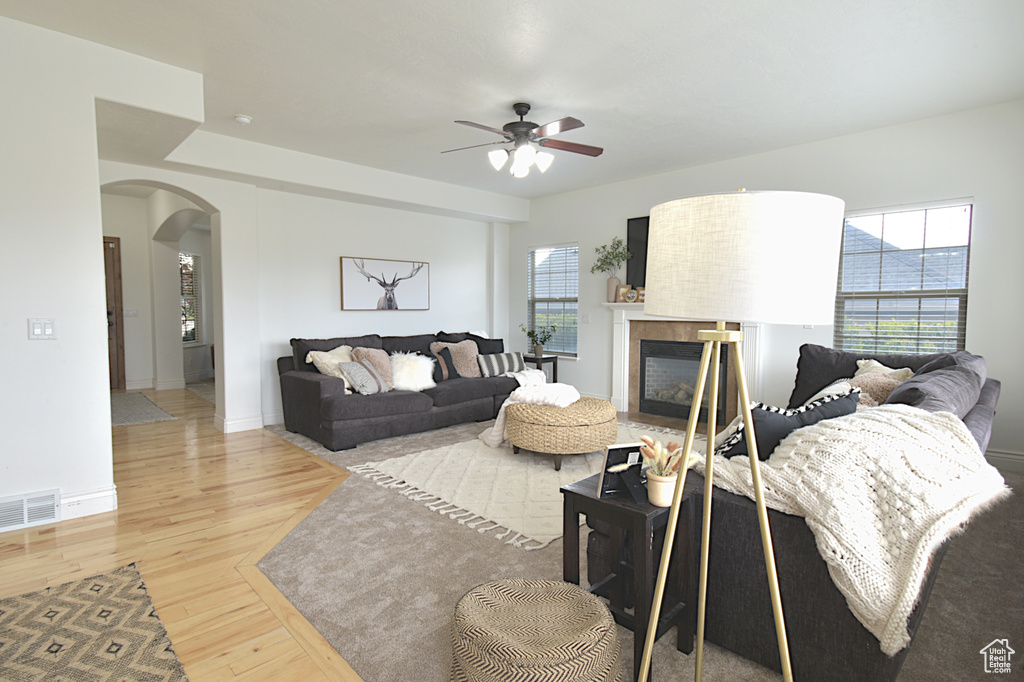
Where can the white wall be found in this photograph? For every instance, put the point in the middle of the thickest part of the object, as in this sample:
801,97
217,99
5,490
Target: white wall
301,240
978,153
125,218
55,406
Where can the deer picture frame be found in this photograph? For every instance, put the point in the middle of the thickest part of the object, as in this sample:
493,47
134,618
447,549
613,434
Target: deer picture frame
384,284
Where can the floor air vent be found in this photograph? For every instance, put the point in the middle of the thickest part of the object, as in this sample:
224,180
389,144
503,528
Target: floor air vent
22,511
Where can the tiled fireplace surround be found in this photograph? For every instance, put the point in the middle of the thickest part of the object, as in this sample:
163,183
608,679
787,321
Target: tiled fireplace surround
630,324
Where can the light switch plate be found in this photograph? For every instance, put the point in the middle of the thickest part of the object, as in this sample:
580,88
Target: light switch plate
41,328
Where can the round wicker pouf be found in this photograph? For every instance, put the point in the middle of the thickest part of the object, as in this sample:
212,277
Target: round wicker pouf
587,425
516,630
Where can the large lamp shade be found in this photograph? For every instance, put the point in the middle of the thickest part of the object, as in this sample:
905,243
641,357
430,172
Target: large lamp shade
742,256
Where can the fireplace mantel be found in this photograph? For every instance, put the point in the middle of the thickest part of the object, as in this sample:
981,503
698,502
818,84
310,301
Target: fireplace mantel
624,313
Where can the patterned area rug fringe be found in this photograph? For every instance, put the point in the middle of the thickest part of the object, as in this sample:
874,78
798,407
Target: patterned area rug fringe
452,511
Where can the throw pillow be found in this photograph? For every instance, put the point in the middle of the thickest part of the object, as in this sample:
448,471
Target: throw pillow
379,359
364,377
875,387
445,367
464,353
874,366
772,424
950,389
499,363
412,371
327,362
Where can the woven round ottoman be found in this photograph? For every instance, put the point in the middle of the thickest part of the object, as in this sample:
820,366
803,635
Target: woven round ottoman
516,630
587,425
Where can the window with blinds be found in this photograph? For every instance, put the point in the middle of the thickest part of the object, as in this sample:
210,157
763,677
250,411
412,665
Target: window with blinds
191,298
903,281
552,294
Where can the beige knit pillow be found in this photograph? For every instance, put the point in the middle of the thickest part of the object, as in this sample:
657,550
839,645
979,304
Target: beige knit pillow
328,362
380,361
464,355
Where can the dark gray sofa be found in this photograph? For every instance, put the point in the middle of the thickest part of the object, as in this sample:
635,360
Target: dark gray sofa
826,640
316,405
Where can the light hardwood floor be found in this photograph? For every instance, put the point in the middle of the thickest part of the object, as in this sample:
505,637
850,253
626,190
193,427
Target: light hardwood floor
196,510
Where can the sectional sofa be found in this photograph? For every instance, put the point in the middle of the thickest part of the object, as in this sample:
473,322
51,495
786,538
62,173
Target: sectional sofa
317,405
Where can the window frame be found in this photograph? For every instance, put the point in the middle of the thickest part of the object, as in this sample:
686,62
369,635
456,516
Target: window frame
842,339
532,300
197,298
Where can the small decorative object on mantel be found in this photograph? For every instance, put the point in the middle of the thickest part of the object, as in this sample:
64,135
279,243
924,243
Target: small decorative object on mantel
609,259
372,284
622,293
538,337
663,466
639,294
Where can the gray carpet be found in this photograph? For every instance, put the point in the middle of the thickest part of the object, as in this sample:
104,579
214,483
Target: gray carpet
134,408
379,576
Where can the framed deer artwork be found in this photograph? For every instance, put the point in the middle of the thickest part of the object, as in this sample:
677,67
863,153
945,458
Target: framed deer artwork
380,284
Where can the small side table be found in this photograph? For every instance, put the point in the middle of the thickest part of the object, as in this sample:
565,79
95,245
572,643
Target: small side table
642,520
540,360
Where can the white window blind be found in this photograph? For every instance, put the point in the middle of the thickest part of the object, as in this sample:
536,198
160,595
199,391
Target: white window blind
191,298
553,275
903,281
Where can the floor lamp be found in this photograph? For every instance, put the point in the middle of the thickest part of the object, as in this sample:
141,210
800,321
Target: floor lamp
768,257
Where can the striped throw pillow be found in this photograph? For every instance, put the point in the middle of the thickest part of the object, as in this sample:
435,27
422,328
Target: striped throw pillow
364,377
499,363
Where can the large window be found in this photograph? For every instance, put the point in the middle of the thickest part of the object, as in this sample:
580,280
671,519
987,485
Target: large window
191,298
903,280
553,276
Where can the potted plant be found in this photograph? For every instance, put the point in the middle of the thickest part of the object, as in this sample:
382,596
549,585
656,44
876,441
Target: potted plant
538,337
663,465
610,258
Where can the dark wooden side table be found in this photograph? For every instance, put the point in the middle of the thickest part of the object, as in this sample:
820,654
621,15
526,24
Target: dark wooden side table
540,360
623,513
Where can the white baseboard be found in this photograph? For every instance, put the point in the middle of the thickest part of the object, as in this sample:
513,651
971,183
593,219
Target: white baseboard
88,502
236,425
271,418
138,385
167,385
1006,461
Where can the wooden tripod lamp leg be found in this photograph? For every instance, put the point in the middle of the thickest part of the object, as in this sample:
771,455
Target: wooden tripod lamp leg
710,360
762,517
673,517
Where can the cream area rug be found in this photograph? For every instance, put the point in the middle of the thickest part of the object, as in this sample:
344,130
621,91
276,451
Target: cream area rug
134,408
515,497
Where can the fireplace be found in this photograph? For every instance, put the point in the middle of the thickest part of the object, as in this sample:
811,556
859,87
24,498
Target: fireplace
668,374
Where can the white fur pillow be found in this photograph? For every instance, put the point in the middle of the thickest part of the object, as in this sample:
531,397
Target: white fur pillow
412,371
329,362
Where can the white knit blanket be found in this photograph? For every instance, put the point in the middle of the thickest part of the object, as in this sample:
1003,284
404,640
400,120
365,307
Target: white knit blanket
881,489
558,395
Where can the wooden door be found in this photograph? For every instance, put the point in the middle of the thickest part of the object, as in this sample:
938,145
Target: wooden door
115,313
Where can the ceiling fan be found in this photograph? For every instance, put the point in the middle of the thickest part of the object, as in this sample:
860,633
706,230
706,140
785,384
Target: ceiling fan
525,137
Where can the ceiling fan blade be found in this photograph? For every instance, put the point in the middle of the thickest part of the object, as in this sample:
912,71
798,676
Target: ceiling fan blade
571,147
483,127
473,146
559,126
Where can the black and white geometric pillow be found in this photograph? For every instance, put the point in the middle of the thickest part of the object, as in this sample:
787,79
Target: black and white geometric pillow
497,364
772,424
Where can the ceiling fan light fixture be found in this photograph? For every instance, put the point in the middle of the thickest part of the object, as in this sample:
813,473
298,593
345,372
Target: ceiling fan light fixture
525,154
498,157
519,169
543,161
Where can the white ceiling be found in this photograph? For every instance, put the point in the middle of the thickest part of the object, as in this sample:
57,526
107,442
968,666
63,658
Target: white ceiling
659,84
